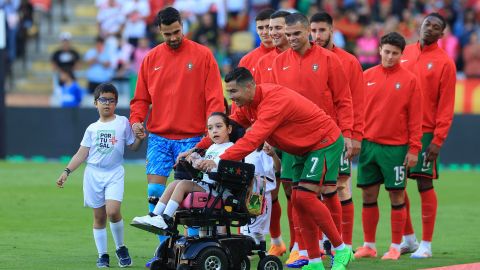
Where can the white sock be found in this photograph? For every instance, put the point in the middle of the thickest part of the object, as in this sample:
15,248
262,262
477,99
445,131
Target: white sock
349,246
159,208
370,245
295,246
316,260
395,246
117,233
171,207
342,246
426,245
303,253
277,241
410,238
100,236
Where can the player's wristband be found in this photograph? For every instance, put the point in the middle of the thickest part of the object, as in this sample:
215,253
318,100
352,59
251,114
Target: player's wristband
68,171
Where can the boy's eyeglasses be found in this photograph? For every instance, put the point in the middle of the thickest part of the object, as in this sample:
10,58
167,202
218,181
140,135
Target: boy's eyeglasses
106,101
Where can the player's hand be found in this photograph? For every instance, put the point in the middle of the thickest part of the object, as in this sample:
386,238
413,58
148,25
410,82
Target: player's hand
410,161
356,147
206,165
432,152
348,147
139,130
62,179
269,149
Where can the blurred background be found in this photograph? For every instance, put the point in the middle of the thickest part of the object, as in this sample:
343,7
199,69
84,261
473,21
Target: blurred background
48,71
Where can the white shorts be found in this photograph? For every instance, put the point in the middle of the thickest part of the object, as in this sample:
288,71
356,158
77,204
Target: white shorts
102,184
261,225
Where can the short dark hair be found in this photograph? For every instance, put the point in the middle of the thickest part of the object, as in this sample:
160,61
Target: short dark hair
105,88
167,16
279,14
295,18
440,17
239,74
99,39
264,14
394,39
322,17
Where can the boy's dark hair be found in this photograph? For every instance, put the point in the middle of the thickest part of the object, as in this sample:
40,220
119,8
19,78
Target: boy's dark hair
440,17
105,88
264,14
279,14
394,39
321,17
167,16
237,130
239,74
69,71
295,18
99,39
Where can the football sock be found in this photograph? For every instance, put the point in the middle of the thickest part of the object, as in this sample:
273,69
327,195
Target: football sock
333,204
277,241
429,213
347,221
275,229
370,216
117,233
408,229
370,245
395,246
291,224
426,245
100,236
315,214
410,238
171,207
397,221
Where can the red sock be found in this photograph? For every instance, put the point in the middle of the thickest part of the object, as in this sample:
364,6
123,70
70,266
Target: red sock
309,243
347,221
408,229
295,222
333,204
275,230
370,216
429,213
397,221
310,208
291,225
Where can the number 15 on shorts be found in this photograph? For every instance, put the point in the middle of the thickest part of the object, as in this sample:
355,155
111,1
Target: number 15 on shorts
399,175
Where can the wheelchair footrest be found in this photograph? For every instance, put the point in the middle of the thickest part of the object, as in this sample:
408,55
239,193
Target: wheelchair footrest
153,229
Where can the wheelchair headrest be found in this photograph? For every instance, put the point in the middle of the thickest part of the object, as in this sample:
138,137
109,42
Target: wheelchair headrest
234,174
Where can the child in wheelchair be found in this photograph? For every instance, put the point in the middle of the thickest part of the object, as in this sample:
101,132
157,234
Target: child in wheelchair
266,164
219,128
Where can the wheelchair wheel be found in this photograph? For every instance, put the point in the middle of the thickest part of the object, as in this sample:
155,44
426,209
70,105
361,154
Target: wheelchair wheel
270,262
158,265
245,263
211,259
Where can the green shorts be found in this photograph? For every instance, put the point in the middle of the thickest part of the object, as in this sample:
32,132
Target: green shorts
379,163
320,166
345,164
425,169
287,164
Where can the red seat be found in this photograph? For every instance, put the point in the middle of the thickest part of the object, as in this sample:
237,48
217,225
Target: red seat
199,200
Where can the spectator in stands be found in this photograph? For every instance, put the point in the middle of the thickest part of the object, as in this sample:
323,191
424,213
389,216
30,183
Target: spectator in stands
367,49
100,67
471,57
449,43
13,19
207,33
139,53
65,57
109,18
71,93
136,13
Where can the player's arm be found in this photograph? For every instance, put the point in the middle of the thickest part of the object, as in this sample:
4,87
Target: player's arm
269,150
415,119
74,163
141,101
357,87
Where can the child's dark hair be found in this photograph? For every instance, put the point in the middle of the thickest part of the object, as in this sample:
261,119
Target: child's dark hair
105,88
394,39
237,130
69,72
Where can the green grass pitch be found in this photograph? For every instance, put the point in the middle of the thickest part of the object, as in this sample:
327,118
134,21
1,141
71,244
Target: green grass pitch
43,227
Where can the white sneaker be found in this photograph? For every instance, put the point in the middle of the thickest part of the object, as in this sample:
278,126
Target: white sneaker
421,253
408,247
157,221
144,220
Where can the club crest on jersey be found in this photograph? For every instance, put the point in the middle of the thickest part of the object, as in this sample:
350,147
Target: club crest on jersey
189,66
315,67
429,66
397,86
